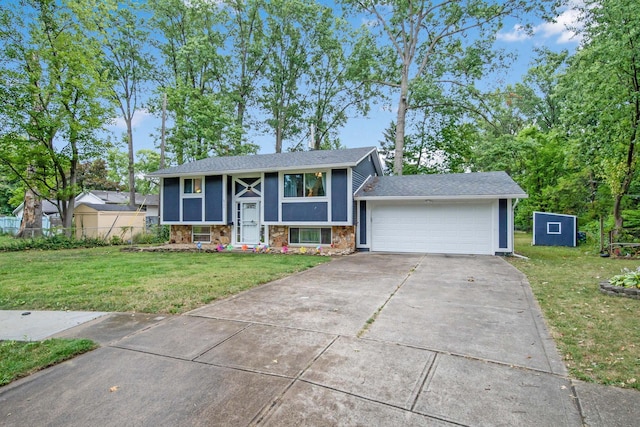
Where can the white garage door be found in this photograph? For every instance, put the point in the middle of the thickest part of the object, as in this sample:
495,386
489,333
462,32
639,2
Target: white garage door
451,228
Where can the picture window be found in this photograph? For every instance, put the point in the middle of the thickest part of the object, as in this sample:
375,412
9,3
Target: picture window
305,184
315,236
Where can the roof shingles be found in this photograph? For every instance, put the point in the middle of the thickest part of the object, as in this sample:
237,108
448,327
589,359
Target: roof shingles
479,184
270,162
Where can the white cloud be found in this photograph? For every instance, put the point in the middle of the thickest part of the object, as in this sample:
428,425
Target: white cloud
516,34
138,118
563,29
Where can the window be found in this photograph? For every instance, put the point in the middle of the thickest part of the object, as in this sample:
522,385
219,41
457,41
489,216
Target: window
316,236
305,184
201,233
193,185
554,228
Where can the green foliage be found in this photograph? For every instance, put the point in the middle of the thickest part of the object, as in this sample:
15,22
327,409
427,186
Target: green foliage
54,242
628,279
21,358
157,234
426,57
600,91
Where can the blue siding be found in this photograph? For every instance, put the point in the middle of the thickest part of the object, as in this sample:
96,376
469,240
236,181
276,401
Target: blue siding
213,192
270,197
339,196
230,212
554,230
192,209
503,224
305,212
363,222
362,171
171,199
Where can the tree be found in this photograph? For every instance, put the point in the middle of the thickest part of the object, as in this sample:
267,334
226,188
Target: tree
58,102
148,161
427,53
123,37
249,53
93,175
288,26
602,96
194,78
337,81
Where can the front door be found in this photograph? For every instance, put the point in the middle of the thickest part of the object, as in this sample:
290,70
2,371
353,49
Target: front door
249,222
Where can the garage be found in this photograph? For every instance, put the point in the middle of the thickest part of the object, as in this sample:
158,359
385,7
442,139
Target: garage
447,228
465,213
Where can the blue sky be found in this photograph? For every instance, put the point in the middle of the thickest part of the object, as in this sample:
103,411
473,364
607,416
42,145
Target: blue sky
367,131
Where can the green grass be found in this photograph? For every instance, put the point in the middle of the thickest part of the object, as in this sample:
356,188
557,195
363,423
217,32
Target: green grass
106,279
598,335
19,359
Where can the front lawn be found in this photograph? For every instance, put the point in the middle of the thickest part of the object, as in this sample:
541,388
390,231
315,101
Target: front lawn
106,279
598,335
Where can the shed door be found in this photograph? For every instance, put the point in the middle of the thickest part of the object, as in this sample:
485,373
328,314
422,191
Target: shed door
450,228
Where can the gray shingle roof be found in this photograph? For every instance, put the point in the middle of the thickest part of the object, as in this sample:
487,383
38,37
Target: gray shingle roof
110,207
122,198
270,162
442,186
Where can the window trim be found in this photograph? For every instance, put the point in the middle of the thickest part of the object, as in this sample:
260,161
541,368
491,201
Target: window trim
311,243
327,185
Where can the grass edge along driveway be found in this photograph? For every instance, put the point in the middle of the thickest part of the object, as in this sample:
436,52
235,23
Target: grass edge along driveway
597,335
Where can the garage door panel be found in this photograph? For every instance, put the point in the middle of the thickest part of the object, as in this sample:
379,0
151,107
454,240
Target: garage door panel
463,228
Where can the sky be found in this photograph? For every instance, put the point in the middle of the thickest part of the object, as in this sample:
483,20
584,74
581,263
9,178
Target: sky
368,131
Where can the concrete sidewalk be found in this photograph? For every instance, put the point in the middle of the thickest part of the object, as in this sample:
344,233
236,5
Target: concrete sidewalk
369,339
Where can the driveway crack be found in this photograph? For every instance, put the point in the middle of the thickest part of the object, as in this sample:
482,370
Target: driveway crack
371,320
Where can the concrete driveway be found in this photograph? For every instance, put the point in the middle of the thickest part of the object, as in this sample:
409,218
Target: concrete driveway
368,339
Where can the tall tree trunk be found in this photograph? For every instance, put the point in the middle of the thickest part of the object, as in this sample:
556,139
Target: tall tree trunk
163,130
31,224
279,138
132,176
401,121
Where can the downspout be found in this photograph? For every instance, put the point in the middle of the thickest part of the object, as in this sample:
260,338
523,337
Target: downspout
513,227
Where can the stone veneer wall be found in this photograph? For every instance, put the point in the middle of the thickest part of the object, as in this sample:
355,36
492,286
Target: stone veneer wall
220,234
343,237
180,234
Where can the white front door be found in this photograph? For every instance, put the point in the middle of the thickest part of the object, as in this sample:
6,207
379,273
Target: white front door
249,222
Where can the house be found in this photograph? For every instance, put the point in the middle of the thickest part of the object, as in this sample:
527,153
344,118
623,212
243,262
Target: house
336,198
106,221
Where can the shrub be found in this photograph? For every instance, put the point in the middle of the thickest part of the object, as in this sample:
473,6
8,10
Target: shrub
56,241
628,279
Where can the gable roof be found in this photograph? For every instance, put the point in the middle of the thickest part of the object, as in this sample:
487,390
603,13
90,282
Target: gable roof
476,185
122,197
103,207
272,162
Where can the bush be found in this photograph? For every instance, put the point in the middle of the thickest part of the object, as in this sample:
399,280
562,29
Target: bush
156,234
628,279
57,241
